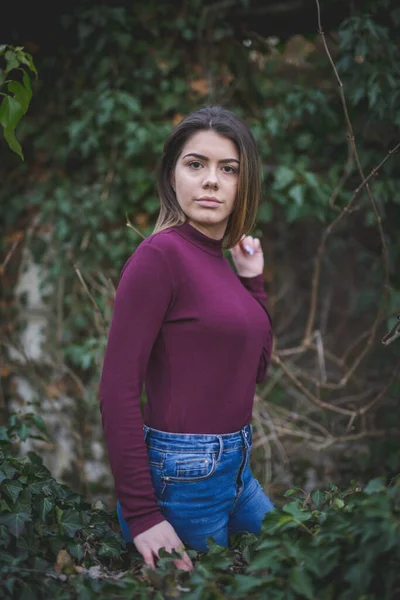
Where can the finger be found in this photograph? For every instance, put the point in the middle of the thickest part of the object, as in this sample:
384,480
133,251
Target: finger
248,248
247,244
182,566
187,560
185,564
148,558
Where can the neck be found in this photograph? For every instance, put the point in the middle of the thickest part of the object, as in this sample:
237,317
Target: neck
211,232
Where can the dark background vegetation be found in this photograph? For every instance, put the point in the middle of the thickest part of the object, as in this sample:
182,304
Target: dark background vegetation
114,77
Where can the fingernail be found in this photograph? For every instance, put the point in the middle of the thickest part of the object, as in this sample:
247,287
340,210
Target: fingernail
248,249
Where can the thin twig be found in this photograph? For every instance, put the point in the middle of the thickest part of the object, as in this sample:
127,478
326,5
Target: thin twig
307,393
10,253
93,301
346,174
382,393
364,184
129,224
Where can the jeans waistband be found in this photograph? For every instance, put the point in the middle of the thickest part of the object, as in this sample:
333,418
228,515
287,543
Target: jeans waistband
198,442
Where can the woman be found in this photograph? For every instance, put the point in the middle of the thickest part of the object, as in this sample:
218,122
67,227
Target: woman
199,337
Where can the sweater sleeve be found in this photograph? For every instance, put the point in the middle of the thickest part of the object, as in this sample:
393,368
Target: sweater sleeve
255,285
144,293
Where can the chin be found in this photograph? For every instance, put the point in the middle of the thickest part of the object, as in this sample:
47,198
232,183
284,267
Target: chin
208,221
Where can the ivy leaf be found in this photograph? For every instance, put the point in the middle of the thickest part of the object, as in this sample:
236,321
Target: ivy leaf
24,430
44,507
4,507
274,520
24,502
374,486
338,503
9,584
40,424
70,522
13,488
301,583
4,437
4,536
294,509
43,486
296,193
7,472
35,458
76,550
292,491
15,522
283,176
317,497
110,548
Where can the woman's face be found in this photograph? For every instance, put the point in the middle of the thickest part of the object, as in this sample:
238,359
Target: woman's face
205,180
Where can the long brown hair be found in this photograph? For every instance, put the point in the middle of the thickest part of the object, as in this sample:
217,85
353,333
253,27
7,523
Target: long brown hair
229,125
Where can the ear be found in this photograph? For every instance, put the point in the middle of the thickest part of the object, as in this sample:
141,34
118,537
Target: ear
172,181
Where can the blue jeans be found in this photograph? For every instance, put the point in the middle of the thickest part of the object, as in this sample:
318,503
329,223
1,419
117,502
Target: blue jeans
204,485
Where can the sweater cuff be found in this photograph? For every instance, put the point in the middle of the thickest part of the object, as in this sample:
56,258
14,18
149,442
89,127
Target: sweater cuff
254,284
142,524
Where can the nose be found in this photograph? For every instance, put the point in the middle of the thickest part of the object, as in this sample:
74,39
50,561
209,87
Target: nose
211,179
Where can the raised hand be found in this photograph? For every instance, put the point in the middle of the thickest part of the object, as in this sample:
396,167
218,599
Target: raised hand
248,257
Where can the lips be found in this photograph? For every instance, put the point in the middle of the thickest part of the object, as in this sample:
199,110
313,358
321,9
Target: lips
208,200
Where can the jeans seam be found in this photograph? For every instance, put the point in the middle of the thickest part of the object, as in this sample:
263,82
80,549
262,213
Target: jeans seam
189,451
236,496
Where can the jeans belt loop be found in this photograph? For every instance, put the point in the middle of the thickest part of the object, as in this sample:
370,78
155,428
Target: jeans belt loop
246,436
221,447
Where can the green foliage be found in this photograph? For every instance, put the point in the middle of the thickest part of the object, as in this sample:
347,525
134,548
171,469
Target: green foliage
92,139
40,517
15,103
329,544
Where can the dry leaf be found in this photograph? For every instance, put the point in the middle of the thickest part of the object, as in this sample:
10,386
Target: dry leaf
200,86
64,563
141,220
177,118
52,391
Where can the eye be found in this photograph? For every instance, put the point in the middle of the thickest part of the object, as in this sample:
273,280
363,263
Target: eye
230,169
195,164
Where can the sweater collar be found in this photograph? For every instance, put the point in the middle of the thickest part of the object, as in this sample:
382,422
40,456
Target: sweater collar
199,239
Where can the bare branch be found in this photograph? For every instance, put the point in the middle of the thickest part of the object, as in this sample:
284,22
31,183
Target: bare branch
93,301
307,393
393,334
320,252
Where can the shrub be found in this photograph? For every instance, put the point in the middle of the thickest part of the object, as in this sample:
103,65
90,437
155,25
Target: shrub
334,544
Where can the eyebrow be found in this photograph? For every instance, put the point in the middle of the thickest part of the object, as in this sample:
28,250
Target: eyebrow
202,157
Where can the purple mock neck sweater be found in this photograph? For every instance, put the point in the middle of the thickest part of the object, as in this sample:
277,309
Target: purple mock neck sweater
197,336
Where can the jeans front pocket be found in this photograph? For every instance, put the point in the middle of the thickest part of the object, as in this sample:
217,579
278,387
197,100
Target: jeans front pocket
189,467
